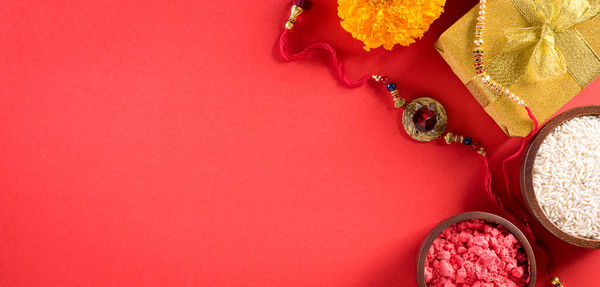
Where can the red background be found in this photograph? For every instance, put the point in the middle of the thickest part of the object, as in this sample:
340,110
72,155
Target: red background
165,143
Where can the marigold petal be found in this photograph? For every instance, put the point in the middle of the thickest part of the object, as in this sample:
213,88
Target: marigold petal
388,22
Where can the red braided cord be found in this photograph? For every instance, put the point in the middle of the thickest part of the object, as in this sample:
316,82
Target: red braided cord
336,63
519,219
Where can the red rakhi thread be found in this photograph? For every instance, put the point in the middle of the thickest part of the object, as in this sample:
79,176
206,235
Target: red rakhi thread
520,151
511,205
336,63
524,219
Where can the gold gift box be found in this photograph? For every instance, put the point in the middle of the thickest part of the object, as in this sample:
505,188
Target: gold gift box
544,51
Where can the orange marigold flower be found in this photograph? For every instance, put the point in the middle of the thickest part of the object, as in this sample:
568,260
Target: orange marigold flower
388,22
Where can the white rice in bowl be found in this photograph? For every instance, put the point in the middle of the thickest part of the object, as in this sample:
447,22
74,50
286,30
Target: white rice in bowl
566,176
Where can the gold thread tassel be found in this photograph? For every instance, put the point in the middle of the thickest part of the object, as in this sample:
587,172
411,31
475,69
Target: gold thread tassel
291,21
556,282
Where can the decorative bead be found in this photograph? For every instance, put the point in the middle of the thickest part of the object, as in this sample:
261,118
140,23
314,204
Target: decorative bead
506,92
384,80
391,87
482,1
482,12
449,137
394,93
468,141
481,18
511,96
400,102
481,151
377,78
521,102
475,145
556,282
482,6
459,139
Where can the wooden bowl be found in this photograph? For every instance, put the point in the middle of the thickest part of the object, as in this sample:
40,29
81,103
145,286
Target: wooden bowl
467,216
527,176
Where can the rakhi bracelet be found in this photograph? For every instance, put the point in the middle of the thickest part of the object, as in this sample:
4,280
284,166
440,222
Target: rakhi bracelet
424,119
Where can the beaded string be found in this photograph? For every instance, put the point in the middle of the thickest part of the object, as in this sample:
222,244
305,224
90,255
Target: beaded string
450,138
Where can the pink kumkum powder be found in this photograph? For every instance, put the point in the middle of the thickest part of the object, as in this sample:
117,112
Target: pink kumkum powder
476,253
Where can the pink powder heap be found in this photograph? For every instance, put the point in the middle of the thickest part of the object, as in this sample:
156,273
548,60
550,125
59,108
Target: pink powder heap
476,253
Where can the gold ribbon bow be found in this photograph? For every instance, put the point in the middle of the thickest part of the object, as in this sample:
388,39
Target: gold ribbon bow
544,51
551,46
536,57
549,20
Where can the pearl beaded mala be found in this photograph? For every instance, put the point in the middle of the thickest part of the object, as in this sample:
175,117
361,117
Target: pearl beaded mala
479,57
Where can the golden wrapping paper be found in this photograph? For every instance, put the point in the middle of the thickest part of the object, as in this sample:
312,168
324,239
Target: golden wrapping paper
544,51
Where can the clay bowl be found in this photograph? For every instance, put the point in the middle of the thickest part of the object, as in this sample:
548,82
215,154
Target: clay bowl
467,216
527,176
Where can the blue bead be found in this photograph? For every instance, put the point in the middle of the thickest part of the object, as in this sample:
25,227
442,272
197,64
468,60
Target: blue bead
391,87
468,141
